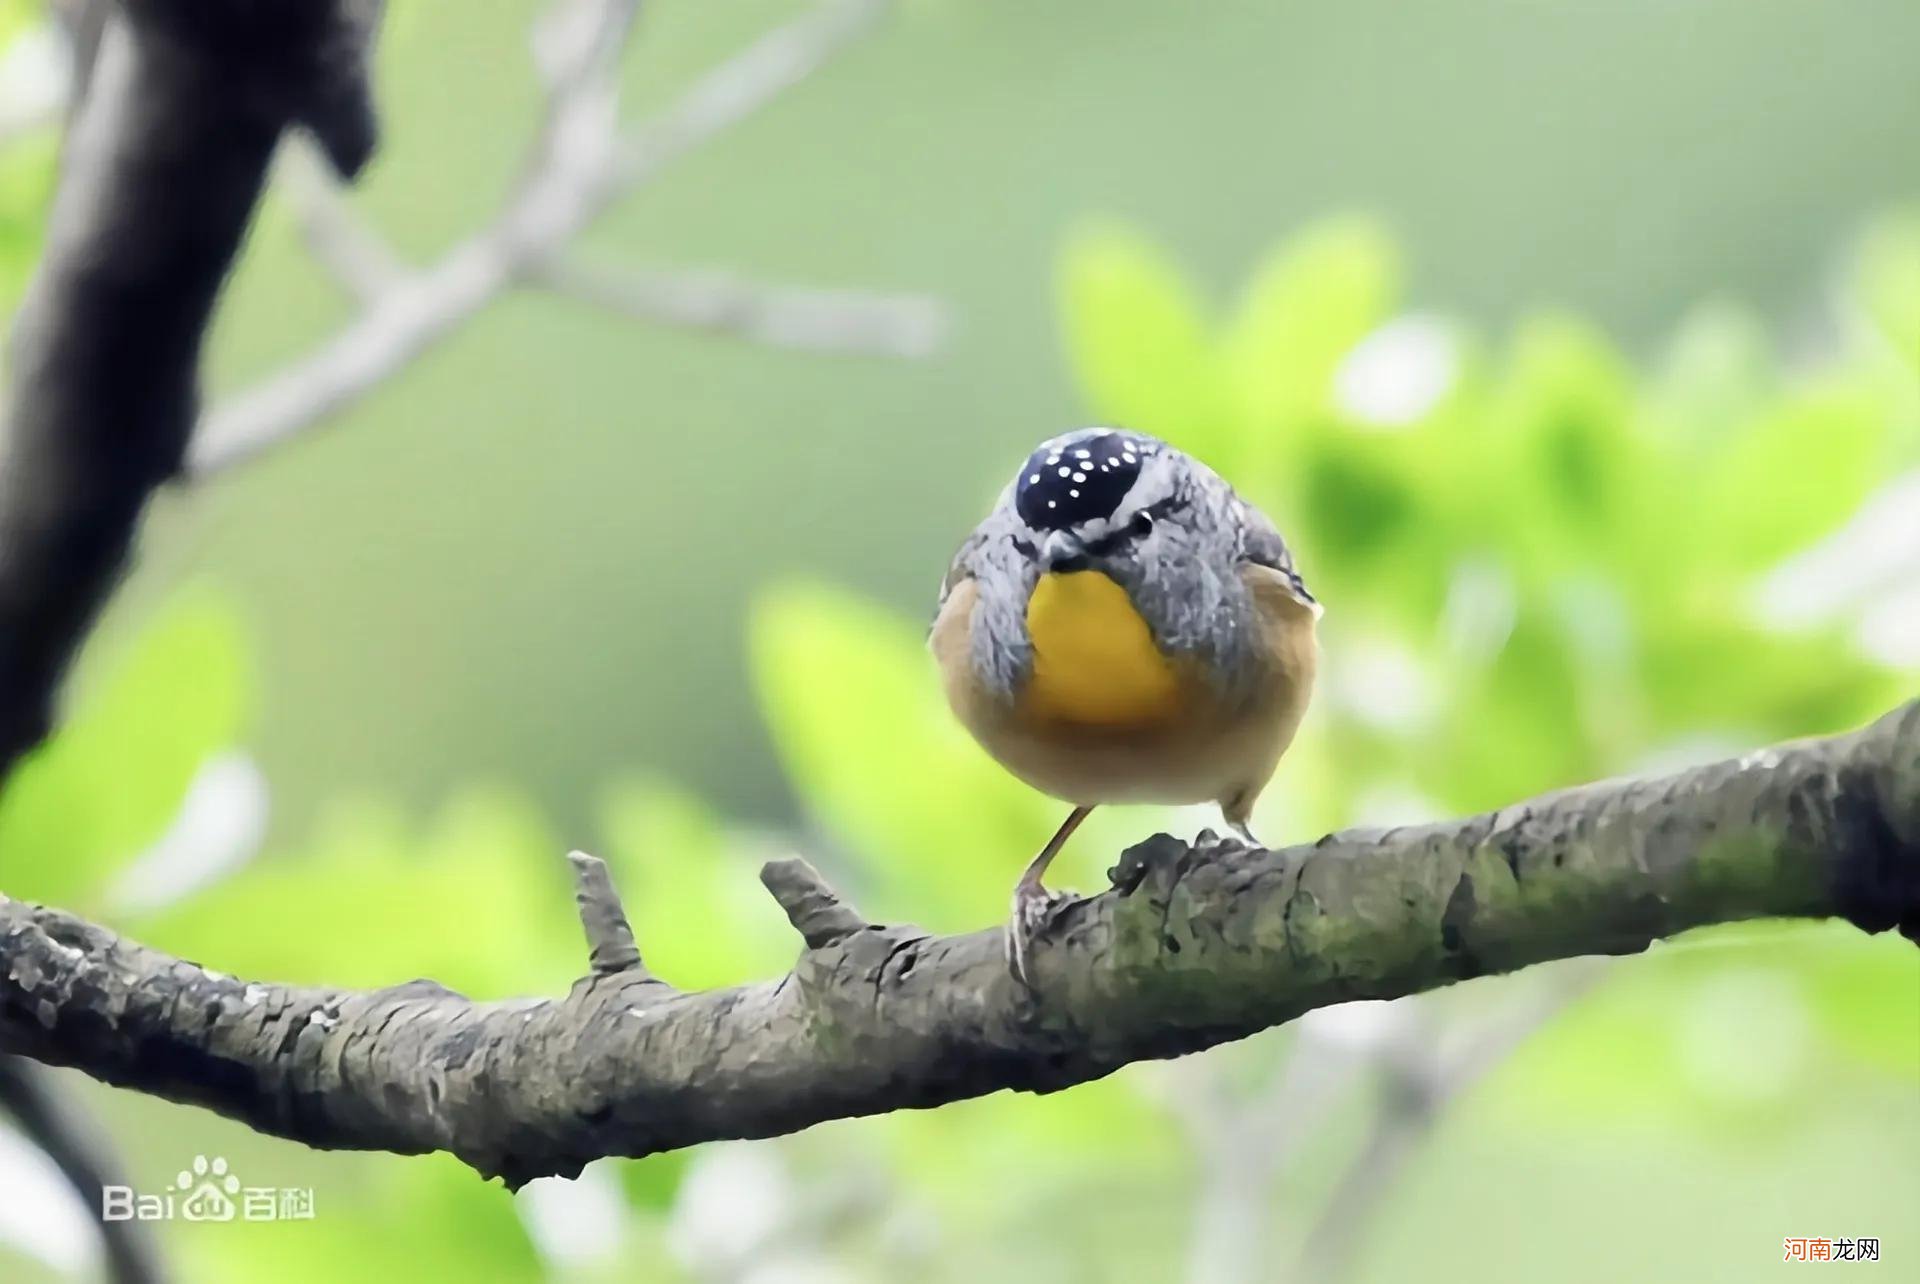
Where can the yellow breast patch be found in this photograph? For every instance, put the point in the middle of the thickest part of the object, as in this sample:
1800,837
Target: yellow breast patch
1094,660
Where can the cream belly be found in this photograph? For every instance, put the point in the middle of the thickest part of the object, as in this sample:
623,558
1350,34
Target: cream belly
1106,718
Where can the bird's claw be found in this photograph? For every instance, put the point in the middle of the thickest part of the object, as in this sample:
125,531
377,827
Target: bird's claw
1033,909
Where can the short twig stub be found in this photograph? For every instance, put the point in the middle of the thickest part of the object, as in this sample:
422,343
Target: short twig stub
610,941
815,909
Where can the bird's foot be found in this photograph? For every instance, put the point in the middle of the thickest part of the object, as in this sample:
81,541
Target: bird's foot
1033,909
1245,834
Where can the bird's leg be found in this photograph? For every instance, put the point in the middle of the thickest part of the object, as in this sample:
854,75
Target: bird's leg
1033,903
1237,810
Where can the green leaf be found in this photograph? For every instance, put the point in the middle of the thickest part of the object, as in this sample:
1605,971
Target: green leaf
1363,523
653,1182
975,1156
1138,341
480,900
27,171
111,778
1795,475
16,17
692,890
1714,376
1514,726
1709,668
1863,990
1886,281
853,700
1313,299
421,1218
1728,1031
1566,414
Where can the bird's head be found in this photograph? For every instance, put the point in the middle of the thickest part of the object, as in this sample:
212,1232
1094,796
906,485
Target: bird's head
1094,497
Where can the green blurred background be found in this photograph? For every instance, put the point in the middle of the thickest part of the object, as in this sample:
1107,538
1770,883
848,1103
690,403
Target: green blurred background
1549,330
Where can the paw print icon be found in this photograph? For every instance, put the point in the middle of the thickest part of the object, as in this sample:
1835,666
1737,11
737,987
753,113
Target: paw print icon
207,1190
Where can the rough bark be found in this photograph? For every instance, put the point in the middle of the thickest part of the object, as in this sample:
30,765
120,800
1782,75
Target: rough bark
1192,946
163,163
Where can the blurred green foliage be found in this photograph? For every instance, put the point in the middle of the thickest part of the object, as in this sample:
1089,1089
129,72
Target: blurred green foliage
1605,156
26,177
26,183
109,783
1540,560
1550,564
1618,522
1540,565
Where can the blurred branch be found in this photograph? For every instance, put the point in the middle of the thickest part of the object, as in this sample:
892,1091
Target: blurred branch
735,90
1194,945
779,316
1242,1144
163,162
1422,1080
578,164
562,174
85,1158
350,250
175,110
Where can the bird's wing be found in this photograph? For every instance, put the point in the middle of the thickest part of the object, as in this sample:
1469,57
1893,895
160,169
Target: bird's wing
1262,545
988,547
963,567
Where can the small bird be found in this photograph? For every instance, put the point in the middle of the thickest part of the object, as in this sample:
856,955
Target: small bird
1123,627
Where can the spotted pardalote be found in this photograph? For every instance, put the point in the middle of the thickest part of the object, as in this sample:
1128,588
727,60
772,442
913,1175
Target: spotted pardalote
1123,627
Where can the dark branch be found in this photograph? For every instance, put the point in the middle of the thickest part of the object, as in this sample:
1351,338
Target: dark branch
1191,947
84,1158
176,110
164,162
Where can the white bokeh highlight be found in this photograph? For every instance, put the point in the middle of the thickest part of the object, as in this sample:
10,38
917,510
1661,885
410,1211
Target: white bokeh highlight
579,1223
40,1217
220,825
1397,374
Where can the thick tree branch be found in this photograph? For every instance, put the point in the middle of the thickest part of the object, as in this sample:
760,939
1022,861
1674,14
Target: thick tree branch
162,166
178,110
1193,946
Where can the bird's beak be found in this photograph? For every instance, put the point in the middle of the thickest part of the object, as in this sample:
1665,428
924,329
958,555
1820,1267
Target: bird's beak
1063,553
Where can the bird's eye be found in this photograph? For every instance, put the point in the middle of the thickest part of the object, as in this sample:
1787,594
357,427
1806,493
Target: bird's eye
1142,523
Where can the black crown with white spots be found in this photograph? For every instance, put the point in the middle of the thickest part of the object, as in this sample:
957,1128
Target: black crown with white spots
1065,483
